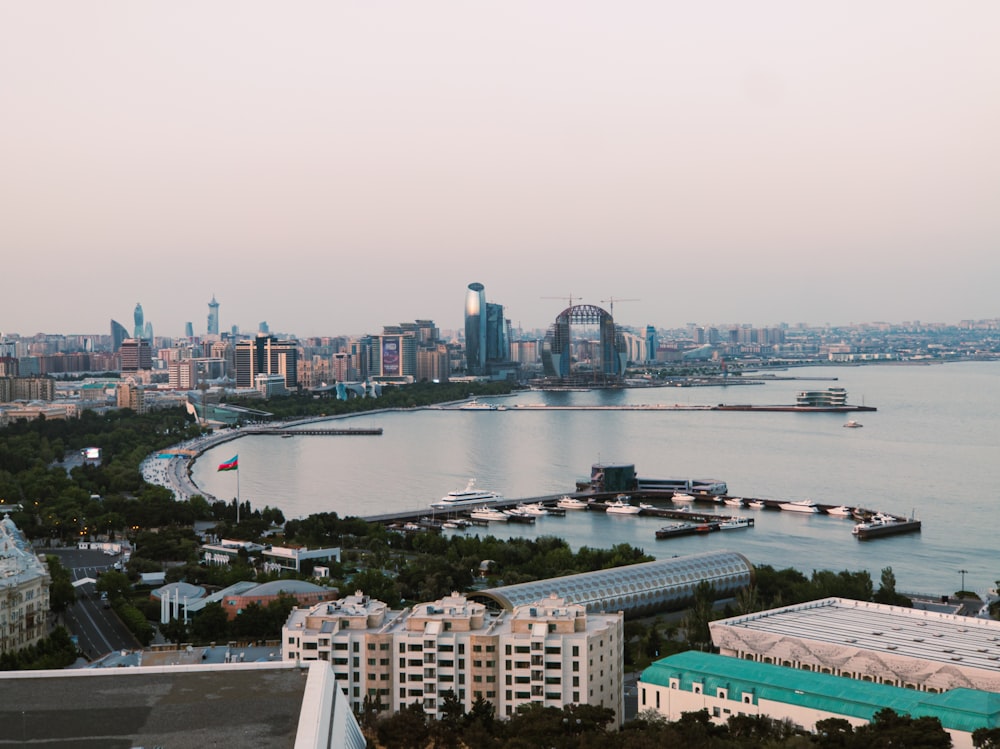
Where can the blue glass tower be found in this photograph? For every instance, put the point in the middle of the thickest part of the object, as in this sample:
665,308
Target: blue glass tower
213,317
475,329
139,329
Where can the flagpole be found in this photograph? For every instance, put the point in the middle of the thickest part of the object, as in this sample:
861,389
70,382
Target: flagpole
237,494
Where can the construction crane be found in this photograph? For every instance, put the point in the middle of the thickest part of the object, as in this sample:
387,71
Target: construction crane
567,298
612,301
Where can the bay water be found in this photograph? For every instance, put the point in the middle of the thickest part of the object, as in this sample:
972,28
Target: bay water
932,449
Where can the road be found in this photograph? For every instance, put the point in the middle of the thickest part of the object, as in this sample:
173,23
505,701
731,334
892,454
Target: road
98,629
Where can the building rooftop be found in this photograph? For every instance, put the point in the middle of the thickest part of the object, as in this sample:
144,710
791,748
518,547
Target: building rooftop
914,633
256,705
958,709
18,563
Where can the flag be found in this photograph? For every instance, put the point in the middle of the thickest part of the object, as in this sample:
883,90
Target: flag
232,464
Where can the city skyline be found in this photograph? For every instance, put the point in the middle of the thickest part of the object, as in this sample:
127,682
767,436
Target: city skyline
337,168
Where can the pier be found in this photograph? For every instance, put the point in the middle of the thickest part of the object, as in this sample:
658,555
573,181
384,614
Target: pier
286,432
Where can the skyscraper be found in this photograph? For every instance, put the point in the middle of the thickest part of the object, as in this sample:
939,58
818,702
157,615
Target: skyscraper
139,329
475,328
189,330
118,334
213,317
265,354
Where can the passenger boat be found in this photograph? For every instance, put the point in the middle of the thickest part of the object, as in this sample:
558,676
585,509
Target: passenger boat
802,505
733,523
621,506
734,501
681,497
488,514
465,497
841,511
571,503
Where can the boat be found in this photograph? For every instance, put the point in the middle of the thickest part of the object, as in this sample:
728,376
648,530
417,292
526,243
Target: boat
537,509
733,523
885,525
488,514
475,405
621,506
706,527
756,504
517,515
449,525
852,424
841,511
802,505
571,503
681,497
465,497
734,501
676,529
646,506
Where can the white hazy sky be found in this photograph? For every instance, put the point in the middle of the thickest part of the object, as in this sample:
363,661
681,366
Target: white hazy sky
331,167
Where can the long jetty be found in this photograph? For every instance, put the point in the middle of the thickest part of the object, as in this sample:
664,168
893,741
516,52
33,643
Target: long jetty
288,432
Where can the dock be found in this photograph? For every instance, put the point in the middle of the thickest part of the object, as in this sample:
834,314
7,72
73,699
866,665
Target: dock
286,432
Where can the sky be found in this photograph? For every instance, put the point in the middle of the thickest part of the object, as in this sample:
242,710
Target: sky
332,167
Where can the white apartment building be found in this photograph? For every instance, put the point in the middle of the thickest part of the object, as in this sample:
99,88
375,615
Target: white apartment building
24,591
550,652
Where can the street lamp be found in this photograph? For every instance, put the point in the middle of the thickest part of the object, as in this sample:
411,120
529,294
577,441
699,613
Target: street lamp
963,573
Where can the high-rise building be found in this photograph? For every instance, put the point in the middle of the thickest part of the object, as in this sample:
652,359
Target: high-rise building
265,354
394,356
213,317
138,329
652,343
475,328
135,355
118,334
487,334
189,330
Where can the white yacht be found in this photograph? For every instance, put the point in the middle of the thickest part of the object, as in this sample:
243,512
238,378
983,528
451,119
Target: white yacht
734,501
465,497
537,509
621,506
841,512
756,504
488,514
681,497
802,505
571,503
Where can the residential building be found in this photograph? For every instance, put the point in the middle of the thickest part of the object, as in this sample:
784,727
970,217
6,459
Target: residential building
550,653
130,395
24,591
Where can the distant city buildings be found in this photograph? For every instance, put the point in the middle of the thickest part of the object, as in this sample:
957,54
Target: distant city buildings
135,354
265,354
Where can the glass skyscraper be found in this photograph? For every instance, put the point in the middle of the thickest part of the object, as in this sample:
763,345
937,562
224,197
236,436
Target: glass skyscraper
213,317
475,328
139,329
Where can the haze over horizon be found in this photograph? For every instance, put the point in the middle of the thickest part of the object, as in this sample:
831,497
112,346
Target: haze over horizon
335,167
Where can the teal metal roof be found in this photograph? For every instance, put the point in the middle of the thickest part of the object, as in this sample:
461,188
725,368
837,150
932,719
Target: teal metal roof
957,709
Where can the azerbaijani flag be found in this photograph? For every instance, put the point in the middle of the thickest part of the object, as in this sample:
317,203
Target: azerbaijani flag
232,464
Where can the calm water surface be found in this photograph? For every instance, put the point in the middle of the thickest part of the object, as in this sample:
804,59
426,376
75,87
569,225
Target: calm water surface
932,448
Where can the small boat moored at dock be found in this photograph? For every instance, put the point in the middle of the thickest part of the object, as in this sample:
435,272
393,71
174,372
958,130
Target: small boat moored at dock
734,523
621,506
802,505
681,497
885,525
488,514
571,503
734,501
841,511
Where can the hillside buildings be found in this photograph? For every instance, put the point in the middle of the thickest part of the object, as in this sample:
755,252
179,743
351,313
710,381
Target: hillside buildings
24,590
550,652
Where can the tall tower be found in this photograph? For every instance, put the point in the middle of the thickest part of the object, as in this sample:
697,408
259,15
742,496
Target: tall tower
475,328
189,330
213,317
139,330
